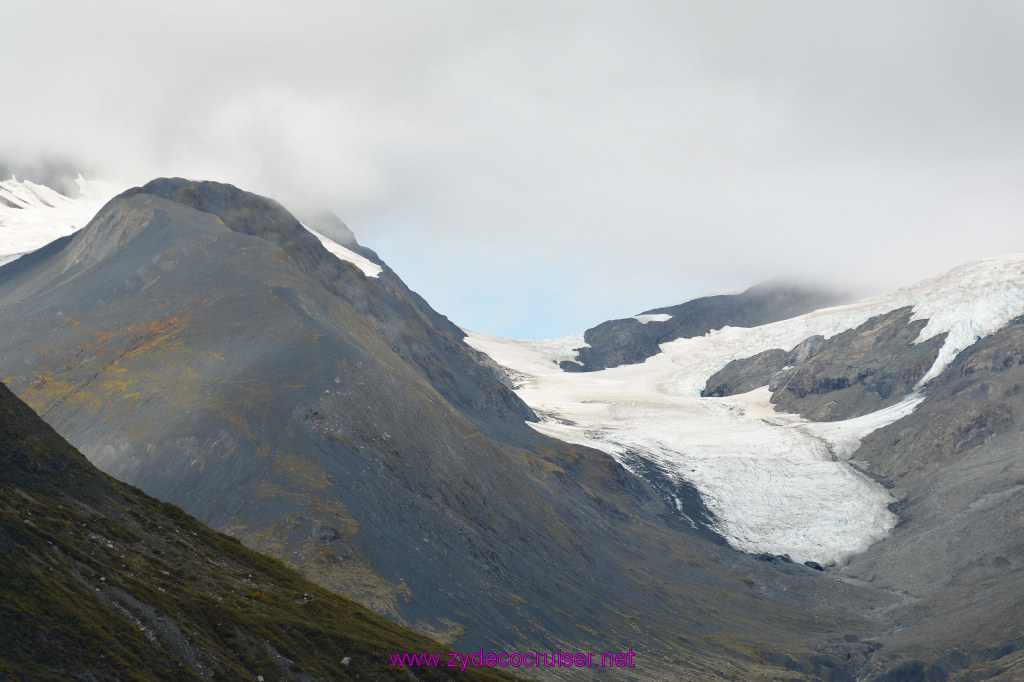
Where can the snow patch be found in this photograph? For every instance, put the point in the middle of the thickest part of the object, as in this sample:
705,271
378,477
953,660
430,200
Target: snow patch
369,268
656,317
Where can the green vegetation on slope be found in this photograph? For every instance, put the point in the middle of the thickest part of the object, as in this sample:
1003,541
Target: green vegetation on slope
99,580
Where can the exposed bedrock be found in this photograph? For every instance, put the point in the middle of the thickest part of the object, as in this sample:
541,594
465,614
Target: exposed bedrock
977,398
851,374
741,376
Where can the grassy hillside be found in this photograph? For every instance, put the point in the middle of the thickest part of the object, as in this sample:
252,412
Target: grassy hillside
100,581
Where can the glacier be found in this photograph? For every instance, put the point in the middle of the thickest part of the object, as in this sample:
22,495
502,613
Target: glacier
775,482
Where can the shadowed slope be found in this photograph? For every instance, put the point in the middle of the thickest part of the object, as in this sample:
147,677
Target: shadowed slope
101,581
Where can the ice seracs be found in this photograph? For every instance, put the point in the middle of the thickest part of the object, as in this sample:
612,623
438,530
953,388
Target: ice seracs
775,482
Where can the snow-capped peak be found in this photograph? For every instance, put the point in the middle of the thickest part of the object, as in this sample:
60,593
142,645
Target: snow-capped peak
33,215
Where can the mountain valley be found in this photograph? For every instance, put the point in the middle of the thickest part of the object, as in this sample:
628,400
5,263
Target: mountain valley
773,484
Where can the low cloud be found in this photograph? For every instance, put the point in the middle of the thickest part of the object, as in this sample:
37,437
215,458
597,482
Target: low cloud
535,167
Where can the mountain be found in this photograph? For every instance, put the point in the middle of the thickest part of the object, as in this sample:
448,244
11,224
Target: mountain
102,582
198,341
763,488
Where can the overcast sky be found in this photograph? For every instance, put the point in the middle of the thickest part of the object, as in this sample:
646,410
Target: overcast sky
535,167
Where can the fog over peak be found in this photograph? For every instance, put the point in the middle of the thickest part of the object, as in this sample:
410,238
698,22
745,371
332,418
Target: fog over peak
533,168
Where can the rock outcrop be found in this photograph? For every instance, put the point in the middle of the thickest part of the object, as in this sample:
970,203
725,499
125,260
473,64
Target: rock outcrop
851,374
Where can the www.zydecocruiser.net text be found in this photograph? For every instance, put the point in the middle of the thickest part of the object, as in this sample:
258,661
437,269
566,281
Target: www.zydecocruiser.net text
530,659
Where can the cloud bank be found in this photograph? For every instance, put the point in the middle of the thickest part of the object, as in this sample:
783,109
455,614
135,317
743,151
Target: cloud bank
535,167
